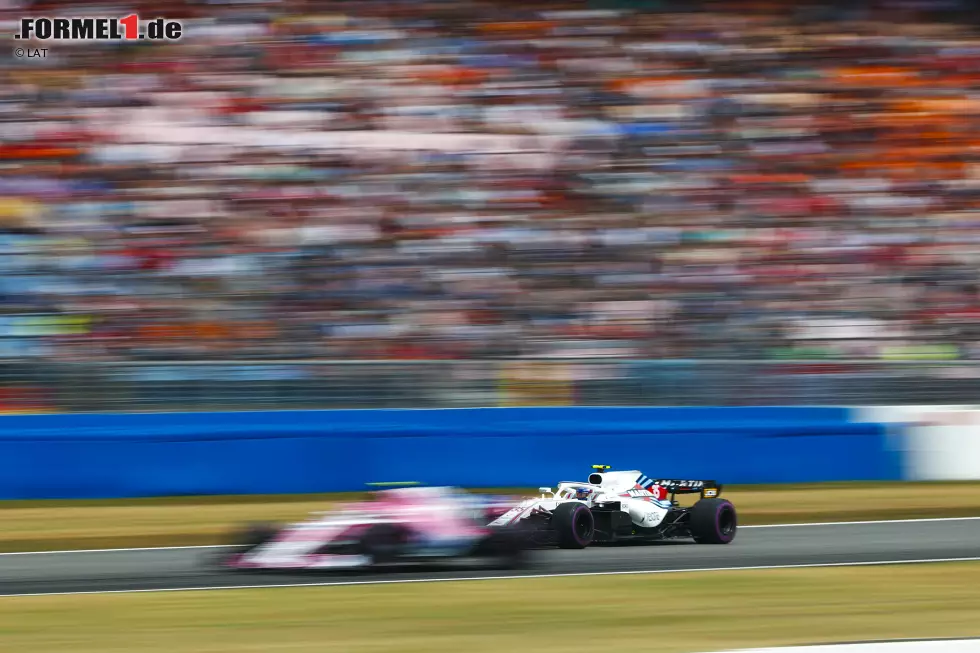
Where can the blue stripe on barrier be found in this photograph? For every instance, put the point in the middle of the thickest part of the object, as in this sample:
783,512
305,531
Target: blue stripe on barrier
132,455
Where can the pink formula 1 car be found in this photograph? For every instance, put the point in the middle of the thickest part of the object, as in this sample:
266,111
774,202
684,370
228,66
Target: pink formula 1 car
399,526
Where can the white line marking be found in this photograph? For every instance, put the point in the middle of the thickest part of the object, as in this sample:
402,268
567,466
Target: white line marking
893,646
147,548
404,581
861,523
221,546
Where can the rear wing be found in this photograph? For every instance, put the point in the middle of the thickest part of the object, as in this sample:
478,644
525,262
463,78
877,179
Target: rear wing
707,489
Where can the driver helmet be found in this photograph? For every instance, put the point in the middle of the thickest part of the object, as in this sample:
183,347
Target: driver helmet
583,493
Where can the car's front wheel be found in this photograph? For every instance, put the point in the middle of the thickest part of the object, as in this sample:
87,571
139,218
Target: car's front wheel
383,543
242,542
574,525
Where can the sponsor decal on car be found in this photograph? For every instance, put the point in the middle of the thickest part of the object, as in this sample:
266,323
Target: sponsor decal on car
645,495
685,484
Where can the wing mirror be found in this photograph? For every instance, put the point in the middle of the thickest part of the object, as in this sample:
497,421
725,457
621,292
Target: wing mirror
545,490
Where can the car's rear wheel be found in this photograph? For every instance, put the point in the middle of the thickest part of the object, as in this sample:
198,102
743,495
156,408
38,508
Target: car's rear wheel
574,525
713,521
503,548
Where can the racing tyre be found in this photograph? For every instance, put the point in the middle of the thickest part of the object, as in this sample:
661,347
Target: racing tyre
383,543
574,525
504,549
255,535
713,521
250,537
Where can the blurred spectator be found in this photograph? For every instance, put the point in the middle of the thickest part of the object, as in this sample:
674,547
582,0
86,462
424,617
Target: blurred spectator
477,179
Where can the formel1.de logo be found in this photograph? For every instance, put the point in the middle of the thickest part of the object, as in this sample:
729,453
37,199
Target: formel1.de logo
126,28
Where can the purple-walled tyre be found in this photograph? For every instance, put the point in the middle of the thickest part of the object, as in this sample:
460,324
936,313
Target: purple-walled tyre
713,521
574,525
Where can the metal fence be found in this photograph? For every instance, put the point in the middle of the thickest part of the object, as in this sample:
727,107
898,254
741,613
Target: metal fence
94,387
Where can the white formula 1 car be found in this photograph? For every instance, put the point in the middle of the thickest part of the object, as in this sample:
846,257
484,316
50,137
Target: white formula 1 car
616,506
406,525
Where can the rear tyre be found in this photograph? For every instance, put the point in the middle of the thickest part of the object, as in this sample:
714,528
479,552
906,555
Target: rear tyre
574,525
503,549
713,521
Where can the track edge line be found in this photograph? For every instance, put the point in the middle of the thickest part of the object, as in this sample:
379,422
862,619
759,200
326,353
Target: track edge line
404,581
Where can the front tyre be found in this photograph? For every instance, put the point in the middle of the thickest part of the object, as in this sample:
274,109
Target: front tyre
574,525
713,521
255,535
244,541
383,543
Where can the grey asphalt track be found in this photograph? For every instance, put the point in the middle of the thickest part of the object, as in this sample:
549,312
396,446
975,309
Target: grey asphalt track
835,544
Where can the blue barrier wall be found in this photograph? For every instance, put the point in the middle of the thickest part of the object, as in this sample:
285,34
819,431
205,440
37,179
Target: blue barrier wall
132,455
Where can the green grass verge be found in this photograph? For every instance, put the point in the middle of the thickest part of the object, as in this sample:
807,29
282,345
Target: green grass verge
669,613
175,521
